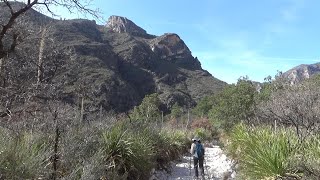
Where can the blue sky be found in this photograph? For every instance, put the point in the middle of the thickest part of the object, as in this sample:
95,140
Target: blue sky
231,38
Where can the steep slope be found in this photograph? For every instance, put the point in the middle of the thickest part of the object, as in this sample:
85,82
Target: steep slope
114,66
166,59
301,72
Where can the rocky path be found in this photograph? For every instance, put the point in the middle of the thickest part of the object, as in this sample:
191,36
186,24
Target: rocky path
217,166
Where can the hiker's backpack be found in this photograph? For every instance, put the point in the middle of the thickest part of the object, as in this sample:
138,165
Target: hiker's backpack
199,150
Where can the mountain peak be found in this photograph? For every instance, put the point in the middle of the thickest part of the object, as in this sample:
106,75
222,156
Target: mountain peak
124,25
301,72
170,44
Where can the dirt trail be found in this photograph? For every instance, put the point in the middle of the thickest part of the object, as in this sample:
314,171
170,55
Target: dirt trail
217,166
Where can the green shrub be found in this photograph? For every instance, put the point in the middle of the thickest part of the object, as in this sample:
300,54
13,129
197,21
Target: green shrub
238,137
204,134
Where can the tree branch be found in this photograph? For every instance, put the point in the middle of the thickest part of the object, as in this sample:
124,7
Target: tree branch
9,24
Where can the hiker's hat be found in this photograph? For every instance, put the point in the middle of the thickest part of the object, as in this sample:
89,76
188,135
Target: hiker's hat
195,139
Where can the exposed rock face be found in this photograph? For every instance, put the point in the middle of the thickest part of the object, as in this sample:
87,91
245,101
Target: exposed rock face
301,72
123,25
117,65
169,46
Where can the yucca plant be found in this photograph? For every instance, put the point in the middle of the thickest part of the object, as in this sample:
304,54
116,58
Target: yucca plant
169,146
127,154
263,153
238,137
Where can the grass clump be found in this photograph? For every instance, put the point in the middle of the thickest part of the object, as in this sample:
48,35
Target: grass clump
308,161
23,156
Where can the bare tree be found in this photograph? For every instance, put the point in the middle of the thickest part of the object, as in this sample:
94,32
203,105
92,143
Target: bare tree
7,25
296,106
24,94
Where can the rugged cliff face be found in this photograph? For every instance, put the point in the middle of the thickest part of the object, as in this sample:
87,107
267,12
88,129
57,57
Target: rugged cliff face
123,25
114,66
301,72
165,59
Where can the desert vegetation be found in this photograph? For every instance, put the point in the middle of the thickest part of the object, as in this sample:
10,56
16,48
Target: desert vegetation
61,147
49,130
48,134
270,129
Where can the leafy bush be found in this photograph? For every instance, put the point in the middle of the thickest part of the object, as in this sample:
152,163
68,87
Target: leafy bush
202,134
203,129
234,104
203,123
148,110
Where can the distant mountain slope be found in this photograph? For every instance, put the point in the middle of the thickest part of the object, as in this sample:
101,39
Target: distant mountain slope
116,65
301,72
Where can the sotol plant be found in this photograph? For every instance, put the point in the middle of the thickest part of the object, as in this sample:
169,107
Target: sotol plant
263,153
127,154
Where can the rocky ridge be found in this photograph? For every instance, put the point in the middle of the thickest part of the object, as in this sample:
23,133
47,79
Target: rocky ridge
123,25
301,72
116,65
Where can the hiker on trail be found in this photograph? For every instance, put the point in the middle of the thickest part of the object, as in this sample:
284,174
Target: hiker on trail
197,151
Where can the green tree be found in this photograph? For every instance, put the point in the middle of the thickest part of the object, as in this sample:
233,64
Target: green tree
204,106
148,110
265,92
176,111
234,104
